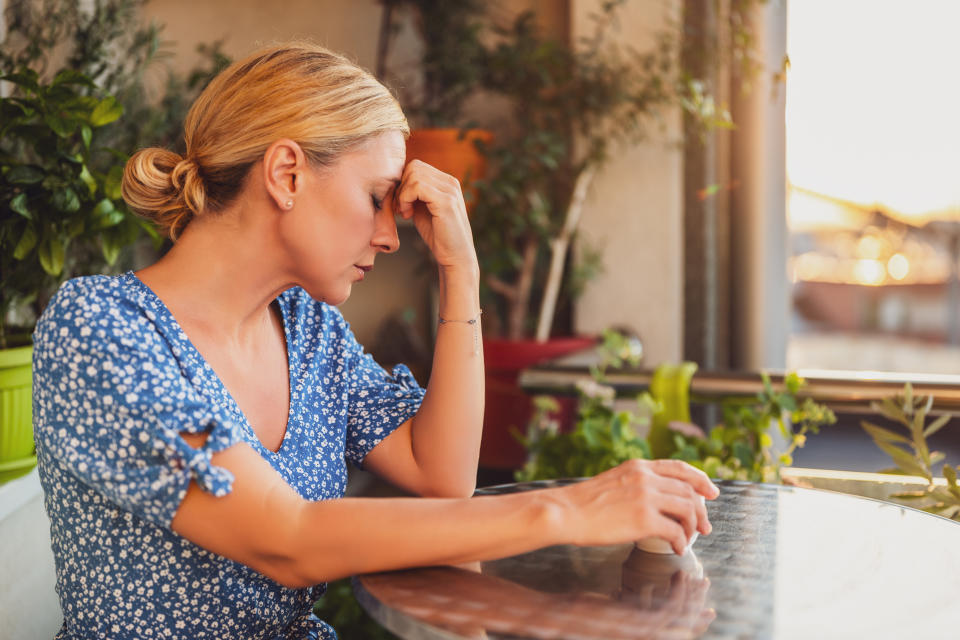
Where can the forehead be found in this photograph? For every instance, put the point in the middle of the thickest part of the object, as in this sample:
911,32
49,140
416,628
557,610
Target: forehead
382,157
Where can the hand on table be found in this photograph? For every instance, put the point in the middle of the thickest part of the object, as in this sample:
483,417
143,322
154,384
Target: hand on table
635,500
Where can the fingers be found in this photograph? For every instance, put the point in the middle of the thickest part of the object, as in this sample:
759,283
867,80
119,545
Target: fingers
670,529
681,521
687,493
427,184
689,474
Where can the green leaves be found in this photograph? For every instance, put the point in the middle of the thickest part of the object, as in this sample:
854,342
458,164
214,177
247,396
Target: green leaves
51,253
113,182
601,439
72,76
106,111
936,425
60,193
24,174
26,78
739,448
912,455
86,133
26,243
65,200
883,435
61,126
19,205
742,447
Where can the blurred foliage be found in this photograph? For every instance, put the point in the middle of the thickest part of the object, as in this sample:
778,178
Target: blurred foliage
569,106
77,104
740,448
603,437
452,60
911,454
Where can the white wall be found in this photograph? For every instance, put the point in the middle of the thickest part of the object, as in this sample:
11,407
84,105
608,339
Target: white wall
635,213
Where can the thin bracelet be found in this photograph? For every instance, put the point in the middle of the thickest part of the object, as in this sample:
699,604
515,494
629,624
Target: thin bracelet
476,329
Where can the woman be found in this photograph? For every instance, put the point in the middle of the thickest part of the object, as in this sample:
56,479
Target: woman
193,419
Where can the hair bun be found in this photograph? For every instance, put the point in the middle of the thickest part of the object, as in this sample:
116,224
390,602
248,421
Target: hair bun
164,188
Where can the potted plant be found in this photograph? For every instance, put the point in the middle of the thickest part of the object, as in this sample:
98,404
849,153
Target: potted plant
57,200
450,70
62,152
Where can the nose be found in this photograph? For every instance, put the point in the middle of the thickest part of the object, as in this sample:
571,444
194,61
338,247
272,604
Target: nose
385,237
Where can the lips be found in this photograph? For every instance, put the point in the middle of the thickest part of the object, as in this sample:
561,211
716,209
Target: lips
364,268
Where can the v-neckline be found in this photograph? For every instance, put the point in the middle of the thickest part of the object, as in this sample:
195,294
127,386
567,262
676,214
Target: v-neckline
182,335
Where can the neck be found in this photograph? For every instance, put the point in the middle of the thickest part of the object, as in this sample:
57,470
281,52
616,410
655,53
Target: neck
218,278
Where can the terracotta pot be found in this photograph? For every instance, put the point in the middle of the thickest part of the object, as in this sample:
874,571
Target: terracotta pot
507,405
452,151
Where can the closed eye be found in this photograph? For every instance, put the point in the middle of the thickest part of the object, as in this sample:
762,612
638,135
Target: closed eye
377,203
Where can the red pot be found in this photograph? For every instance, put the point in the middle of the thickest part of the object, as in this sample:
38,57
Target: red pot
507,405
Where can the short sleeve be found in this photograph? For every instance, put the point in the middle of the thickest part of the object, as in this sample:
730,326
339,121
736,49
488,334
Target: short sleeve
110,401
378,401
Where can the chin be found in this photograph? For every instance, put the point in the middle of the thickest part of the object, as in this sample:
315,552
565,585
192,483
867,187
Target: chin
338,297
324,294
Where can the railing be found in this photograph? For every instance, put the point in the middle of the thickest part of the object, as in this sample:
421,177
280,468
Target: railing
847,391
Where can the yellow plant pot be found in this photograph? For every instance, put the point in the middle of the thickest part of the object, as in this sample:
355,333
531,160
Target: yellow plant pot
16,412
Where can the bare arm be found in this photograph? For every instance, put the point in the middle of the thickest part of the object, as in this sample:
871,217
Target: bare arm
264,524
436,452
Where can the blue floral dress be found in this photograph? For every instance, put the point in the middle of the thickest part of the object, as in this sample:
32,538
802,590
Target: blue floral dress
115,382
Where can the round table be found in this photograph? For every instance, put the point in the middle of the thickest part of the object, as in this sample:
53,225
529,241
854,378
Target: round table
782,562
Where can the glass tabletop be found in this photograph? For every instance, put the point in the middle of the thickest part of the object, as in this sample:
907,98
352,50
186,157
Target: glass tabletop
782,562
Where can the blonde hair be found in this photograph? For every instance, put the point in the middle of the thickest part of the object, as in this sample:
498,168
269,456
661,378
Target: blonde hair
300,91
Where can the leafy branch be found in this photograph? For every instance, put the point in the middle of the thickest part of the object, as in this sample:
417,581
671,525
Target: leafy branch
911,454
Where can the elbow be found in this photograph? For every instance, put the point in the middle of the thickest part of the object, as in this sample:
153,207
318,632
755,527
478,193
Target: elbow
283,570
290,573
291,580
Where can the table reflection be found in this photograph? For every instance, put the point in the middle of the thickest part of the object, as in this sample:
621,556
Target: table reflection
661,597
781,563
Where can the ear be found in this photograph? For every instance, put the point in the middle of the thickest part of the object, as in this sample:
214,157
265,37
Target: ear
283,166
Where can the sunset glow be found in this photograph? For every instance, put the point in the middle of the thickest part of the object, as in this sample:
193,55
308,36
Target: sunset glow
872,108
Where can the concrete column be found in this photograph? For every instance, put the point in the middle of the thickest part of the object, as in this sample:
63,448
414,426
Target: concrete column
760,291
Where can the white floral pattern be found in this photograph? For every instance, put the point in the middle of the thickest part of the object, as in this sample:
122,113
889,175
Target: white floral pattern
115,382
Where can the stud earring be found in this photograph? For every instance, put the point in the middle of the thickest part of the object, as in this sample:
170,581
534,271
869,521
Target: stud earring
288,204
